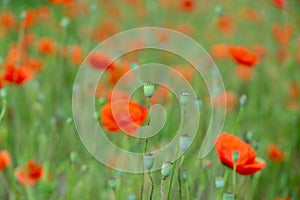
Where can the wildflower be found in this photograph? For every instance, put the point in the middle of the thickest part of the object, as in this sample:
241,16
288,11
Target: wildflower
46,46
137,115
17,75
246,163
279,4
275,153
5,159
243,56
29,175
100,60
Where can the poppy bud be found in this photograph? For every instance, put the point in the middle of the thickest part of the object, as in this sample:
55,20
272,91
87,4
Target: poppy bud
184,143
243,100
131,197
112,183
69,120
184,97
148,89
185,175
73,157
235,156
3,93
84,168
228,196
166,169
148,161
64,22
219,10
219,182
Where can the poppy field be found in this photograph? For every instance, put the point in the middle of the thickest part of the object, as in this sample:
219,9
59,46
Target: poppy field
150,99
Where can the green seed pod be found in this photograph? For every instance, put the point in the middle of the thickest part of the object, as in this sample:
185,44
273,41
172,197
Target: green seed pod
243,100
112,183
235,156
73,157
228,196
166,169
219,182
184,143
148,161
185,175
148,89
184,97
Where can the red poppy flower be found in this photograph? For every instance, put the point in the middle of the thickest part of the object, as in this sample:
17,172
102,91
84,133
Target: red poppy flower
275,153
225,24
4,159
121,120
100,60
7,19
245,73
243,56
219,51
246,164
46,46
30,175
279,3
187,5
283,33
17,75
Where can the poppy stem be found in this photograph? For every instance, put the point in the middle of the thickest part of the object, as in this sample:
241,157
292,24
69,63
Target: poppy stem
29,193
152,186
177,150
162,189
187,191
234,178
71,182
3,110
179,176
145,148
238,119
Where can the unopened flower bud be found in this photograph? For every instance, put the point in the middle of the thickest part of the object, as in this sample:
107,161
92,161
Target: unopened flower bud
184,143
64,22
131,197
185,175
166,169
243,100
199,103
112,183
228,196
148,89
235,156
73,157
84,168
219,182
148,161
184,97
219,10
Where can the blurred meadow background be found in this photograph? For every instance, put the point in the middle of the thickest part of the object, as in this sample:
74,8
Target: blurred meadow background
255,44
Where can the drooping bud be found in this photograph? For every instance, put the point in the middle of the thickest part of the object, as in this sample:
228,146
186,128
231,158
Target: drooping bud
112,183
148,161
166,169
184,97
219,182
184,143
148,89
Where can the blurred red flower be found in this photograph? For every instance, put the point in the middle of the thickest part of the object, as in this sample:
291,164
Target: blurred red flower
246,164
29,175
243,56
187,5
279,3
275,153
5,159
46,46
100,60
283,33
17,74
137,116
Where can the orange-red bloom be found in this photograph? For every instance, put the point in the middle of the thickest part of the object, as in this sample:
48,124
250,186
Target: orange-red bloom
30,175
246,164
46,46
4,159
100,60
243,56
275,153
17,75
123,120
279,3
